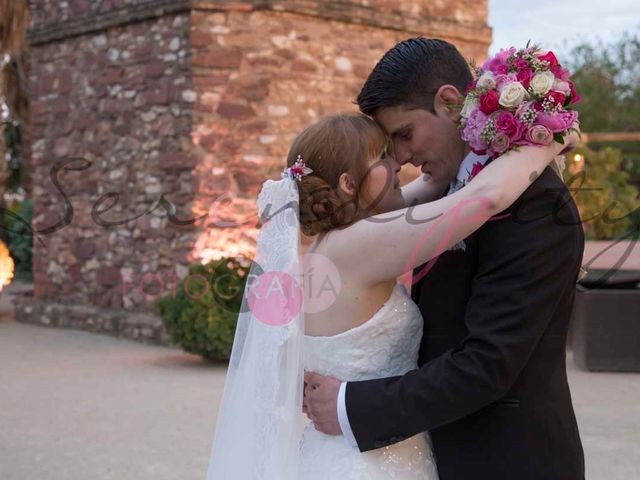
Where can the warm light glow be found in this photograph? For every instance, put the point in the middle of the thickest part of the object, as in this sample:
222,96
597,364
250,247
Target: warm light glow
6,266
230,230
578,158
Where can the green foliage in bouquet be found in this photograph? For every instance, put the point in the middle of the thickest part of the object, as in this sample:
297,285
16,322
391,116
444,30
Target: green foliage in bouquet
202,315
19,238
608,203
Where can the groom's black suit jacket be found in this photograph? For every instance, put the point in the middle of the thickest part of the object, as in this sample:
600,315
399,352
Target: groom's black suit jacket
491,387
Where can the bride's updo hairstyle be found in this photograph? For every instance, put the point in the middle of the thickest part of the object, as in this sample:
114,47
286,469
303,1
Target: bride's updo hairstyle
334,145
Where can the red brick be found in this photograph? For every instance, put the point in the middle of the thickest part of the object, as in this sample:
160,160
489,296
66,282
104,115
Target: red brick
251,88
84,248
235,111
65,82
285,53
154,69
176,161
266,61
218,58
303,66
45,84
144,50
156,96
60,105
108,276
258,125
201,39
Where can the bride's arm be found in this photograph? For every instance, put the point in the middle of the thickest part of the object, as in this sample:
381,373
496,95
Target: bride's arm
421,190
385,246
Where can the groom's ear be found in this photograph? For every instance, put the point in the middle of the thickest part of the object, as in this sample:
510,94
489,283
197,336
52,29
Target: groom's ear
448,102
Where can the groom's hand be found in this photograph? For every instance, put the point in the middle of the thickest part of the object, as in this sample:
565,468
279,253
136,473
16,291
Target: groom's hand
321,402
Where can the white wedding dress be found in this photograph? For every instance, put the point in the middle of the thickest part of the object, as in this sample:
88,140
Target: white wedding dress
386,345
260,430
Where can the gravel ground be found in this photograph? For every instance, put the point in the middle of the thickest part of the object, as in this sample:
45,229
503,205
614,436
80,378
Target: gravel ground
82,406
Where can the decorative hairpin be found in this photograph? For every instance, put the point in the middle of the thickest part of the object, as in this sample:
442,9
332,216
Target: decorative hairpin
298,170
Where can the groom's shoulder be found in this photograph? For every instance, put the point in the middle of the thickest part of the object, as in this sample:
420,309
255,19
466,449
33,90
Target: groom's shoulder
547,183
547,200
546,190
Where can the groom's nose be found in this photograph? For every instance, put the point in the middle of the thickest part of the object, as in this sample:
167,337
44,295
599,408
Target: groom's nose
402,154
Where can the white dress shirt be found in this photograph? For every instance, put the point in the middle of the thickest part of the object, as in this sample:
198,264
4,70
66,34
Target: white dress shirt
463,174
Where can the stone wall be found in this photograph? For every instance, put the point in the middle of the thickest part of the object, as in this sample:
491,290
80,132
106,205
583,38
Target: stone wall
260,76
142,108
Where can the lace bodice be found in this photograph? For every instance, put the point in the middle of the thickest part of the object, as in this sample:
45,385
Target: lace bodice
385,345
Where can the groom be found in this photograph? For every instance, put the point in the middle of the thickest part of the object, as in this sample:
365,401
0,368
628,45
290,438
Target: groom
491,387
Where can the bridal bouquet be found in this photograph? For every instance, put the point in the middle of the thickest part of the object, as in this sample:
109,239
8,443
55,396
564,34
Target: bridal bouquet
519,97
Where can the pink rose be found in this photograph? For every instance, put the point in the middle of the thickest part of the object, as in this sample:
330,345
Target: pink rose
574,95
558,98
557,122
473,127
561,73
521,64
498,63
507,123
504,79
501,69
561,86
539,135
489,102
549,57
500,142
521,128
524,77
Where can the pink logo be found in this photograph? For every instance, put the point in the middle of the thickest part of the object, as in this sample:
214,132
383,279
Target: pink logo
275,298
322,283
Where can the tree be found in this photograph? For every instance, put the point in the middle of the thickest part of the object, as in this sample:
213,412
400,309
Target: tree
606,200
607,76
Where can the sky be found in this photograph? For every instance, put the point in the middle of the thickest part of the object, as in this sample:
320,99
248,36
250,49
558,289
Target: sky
558,25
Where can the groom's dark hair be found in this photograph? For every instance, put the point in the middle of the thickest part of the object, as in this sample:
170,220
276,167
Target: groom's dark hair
410,74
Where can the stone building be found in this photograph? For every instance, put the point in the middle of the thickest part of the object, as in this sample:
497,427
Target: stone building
155,122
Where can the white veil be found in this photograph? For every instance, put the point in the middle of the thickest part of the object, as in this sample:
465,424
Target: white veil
259,422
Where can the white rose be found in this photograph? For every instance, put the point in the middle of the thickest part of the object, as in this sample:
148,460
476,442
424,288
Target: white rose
487,80
470,104
542,82
561,86
513,94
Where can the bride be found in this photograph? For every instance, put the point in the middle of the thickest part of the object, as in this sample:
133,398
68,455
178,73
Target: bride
338,309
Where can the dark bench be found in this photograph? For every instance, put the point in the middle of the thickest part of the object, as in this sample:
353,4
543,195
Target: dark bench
606,323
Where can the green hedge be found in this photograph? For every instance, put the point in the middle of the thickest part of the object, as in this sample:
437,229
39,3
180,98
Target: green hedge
17,232
201,317
606,200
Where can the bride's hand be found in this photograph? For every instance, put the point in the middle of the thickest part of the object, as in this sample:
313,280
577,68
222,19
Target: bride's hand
572,139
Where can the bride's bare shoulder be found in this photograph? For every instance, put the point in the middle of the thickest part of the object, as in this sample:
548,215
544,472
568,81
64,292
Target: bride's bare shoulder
333,244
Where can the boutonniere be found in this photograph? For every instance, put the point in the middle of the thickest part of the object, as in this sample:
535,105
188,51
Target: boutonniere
475,170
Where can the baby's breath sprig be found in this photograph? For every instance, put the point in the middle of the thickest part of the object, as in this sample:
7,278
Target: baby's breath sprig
488,131
549,106
528,116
